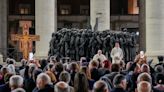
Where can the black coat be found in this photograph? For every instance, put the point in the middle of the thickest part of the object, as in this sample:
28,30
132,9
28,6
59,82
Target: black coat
29,84
118,90
5,88
48,88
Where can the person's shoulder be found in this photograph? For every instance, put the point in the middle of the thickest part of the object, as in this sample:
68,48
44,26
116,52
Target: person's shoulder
71,89
113,48
4,88
118,90
95,57
35,89
120,48
49,88
156,90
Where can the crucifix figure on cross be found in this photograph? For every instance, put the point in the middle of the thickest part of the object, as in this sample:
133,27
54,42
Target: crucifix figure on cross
25,40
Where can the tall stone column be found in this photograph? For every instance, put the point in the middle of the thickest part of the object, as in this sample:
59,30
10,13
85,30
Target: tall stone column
45,23
142,25
3,27
100,11
154,27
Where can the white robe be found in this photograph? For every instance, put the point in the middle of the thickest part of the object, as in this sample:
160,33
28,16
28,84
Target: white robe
101,57
116,52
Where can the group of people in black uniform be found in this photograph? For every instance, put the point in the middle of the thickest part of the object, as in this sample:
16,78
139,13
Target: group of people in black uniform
76,43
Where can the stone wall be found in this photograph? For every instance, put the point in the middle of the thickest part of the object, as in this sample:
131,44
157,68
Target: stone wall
3,26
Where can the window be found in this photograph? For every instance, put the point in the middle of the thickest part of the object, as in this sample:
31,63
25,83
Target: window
84,10
133,7
24,9
65,9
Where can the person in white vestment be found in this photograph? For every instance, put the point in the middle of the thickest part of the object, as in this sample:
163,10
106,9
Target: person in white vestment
117,54
99,57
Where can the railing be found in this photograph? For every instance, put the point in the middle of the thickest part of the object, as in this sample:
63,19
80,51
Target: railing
11,53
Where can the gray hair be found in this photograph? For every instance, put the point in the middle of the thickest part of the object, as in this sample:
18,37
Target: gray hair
18,90
16,81
24,61
100,86
65,76
118,79
61,87
32,67
144,77
144,86
145,68
44,77
11,68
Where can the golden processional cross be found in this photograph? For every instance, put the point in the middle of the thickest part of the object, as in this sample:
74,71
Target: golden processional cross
25,40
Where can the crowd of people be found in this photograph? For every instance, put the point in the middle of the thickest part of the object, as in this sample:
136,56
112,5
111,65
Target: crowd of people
87,75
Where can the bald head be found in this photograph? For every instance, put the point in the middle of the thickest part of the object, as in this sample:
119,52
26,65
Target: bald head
100,86
99,52
144,86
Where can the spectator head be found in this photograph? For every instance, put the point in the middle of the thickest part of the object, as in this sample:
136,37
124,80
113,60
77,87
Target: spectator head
160,59
15,81
7,77
43,63
61,87
42,80
115,68
80,82
160,78
65,76
53,59
128,65
74,67
144,77
144,86
83,61
11,61
4,70
24,62
18,90
11,68
35,73
106,64
100,86
85,70
120,81
159,69
52,76
50,66
145,68
59,67
31,68
93,64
